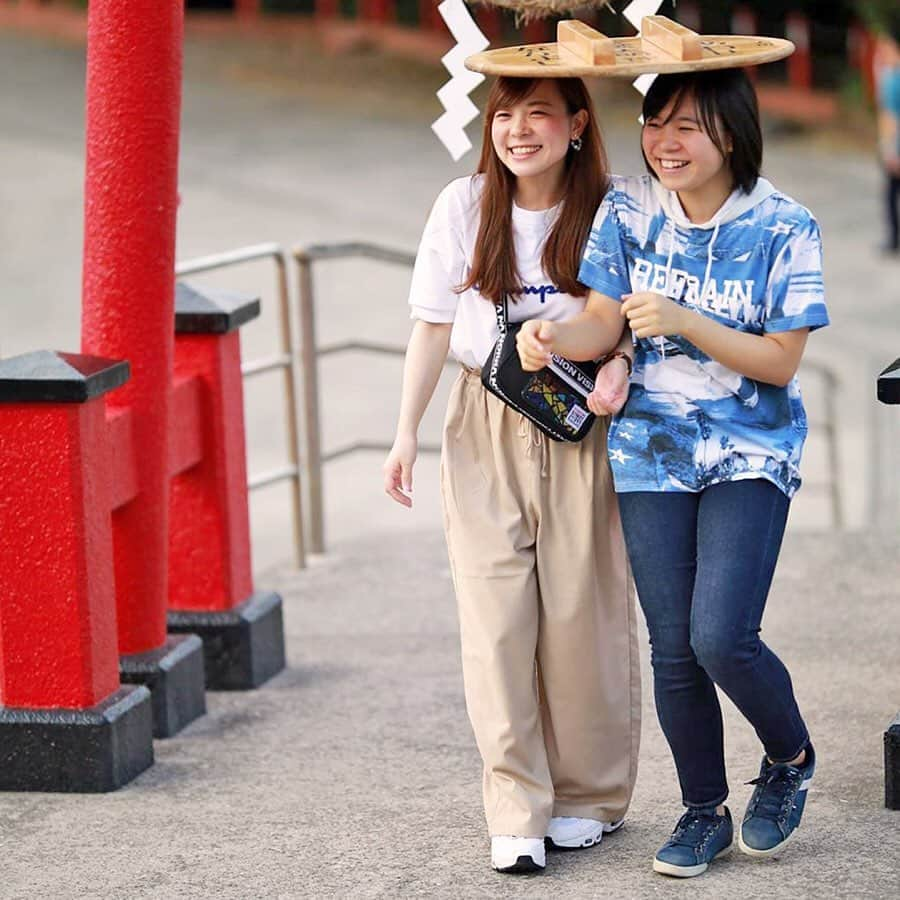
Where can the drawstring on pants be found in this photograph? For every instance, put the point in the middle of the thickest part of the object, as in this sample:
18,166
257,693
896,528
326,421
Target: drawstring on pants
534,439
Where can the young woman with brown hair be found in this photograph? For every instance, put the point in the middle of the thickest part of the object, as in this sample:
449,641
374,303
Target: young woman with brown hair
535,544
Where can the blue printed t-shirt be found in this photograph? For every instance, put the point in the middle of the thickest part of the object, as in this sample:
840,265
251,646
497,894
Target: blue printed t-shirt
689,421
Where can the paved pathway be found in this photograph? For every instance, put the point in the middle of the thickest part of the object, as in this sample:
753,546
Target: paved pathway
354,774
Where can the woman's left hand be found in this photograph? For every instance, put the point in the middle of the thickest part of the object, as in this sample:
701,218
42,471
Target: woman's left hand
652,315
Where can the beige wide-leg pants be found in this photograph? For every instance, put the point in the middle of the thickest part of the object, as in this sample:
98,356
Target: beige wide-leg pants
546,612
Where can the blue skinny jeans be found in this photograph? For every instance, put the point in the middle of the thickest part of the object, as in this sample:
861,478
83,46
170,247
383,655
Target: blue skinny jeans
703,564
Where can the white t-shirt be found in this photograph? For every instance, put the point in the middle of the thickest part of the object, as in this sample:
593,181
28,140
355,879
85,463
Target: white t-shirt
444,261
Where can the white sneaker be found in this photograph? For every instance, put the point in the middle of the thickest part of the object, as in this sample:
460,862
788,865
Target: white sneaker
572,833
517,854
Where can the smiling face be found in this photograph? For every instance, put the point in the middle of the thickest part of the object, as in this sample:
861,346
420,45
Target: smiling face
683,156
531,136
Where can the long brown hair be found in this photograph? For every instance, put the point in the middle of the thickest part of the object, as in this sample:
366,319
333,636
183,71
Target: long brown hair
494,270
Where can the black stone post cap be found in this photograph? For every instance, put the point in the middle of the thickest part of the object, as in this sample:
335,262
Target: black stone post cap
48,376
889,383
209,310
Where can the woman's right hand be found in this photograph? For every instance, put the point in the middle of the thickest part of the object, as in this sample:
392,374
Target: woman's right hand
398,469
534,343
610,388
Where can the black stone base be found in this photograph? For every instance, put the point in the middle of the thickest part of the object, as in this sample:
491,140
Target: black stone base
892,765
77,751
174,675
243,647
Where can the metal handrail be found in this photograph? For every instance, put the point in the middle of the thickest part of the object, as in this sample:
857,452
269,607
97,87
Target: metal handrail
831,384
305,256
286,361
358,249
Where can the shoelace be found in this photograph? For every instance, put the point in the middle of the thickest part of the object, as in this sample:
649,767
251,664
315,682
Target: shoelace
776,790
693,827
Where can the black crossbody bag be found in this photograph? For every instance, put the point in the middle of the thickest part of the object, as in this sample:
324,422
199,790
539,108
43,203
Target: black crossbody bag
554,398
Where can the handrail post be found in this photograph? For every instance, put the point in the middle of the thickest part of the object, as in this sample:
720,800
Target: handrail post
837,511
291,398
313,462
829,383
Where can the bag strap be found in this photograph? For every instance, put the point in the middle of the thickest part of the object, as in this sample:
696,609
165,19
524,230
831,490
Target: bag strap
502,318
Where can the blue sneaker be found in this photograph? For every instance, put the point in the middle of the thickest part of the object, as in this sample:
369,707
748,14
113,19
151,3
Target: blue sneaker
699,837
774,811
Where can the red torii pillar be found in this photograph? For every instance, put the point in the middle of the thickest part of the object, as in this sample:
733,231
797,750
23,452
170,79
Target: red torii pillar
800,65
128,312
743,21
134,105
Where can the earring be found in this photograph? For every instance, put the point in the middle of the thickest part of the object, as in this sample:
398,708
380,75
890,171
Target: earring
575,144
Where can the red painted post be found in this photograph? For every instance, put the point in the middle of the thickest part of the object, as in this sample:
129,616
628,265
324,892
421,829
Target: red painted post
861,55
490,21
209,544
537,31
743,21
247,9
429,17
133,111
378,11
799,64
210,581
66,724
58,632
326,9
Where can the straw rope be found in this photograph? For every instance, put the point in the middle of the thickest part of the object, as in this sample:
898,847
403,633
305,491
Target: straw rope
527,10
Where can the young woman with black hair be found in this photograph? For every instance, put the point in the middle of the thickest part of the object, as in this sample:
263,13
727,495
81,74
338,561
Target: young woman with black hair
538,560
719,277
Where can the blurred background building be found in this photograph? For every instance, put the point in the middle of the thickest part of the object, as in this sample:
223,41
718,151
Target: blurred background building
833,33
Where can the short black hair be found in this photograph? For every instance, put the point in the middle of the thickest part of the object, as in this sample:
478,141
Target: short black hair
726,102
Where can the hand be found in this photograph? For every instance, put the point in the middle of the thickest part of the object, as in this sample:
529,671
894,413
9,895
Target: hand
610,388
398,468
652,315
892,164
535,344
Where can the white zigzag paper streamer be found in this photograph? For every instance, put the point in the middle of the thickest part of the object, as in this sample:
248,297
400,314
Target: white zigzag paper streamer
454,95
635,12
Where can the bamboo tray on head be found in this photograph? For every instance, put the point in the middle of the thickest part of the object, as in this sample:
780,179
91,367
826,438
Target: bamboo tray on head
662,47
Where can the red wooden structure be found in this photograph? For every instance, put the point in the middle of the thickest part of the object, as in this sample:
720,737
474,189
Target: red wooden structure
743,21
800,69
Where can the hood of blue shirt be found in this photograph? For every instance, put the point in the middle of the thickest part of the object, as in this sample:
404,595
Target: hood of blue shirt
736,205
